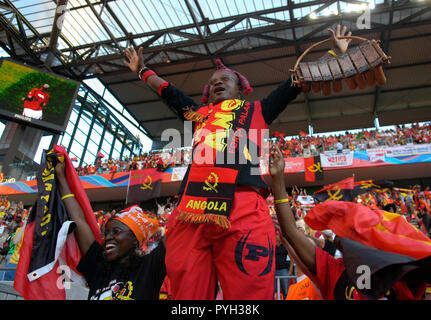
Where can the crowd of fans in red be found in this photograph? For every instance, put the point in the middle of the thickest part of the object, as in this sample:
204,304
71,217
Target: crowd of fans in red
412,203
302,145
314,145
153,159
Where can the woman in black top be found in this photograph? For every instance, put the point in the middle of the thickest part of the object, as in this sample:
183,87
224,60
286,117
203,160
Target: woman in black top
117,269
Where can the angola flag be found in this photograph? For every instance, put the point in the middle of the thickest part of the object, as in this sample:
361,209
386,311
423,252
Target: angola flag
375,228
384,183
342,191
364,186
144,184
49,248
313,169
389,274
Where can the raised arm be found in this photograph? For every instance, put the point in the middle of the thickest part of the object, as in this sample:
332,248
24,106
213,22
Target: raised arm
171,95
277,100
83,233
136,64
305,250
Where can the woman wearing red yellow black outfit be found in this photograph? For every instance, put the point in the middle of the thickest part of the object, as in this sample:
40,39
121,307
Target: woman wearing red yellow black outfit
221,230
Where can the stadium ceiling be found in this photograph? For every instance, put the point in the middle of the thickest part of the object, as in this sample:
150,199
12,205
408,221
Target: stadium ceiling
262,39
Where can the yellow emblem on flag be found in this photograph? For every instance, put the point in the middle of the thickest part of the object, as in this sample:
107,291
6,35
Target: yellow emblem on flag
147,184
368,184
315,168
336,195
211,182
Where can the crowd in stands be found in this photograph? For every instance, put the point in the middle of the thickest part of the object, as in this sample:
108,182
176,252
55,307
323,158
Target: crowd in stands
153,159
302,145
306,145
412,203
13,218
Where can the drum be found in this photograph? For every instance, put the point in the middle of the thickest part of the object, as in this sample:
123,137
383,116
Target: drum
360,66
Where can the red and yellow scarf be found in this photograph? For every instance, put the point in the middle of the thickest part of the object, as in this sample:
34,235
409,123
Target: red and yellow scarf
211,185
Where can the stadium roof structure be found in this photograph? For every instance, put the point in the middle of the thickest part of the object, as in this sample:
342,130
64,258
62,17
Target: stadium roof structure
262,39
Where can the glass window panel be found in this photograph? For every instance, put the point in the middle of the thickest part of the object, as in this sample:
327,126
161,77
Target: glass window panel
98,127
93,98
118,145
70,127
136,150
65,141
73,116
95,137
89,158
115,154
120,132
109,137
113,101
80,136
83,125
102,111
92,147
77,149
87,115
114,123
96,85
106,147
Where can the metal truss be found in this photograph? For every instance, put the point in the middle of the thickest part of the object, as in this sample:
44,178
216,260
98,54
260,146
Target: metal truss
81,61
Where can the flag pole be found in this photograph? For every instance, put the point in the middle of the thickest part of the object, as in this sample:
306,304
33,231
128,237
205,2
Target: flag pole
128,186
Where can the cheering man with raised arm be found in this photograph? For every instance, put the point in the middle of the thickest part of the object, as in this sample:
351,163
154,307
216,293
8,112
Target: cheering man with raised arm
221,229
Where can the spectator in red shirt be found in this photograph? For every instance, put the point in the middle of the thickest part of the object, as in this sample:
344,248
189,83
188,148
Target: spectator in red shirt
35,100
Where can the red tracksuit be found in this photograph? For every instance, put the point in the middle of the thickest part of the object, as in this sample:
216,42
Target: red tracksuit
242,258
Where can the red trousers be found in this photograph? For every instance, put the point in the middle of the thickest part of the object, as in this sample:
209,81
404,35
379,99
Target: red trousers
242,258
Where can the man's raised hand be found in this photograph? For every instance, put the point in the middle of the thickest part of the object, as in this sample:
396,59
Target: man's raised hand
341,44
135,60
